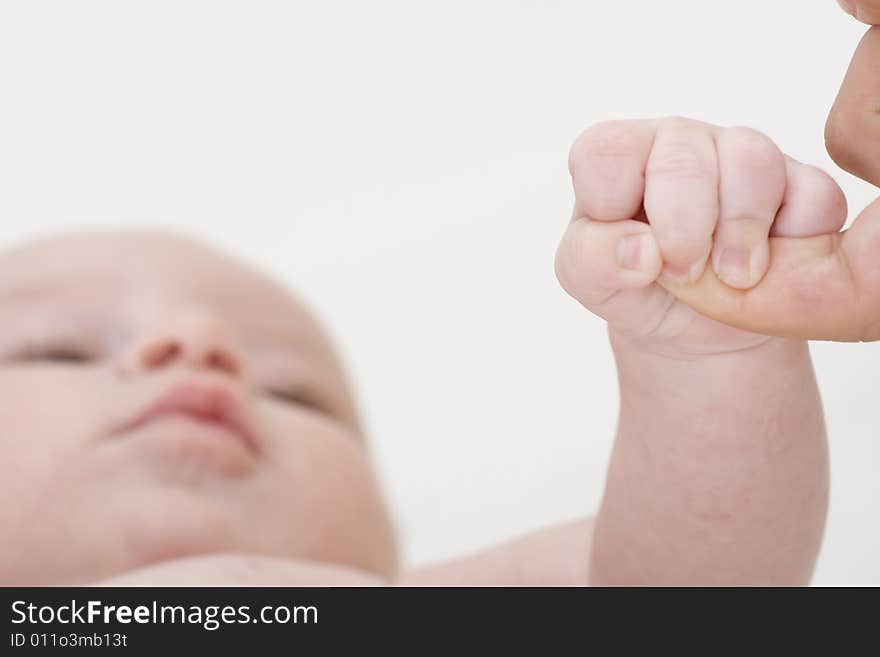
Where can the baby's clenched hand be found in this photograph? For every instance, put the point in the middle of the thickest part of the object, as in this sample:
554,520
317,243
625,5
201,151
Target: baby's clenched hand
667,203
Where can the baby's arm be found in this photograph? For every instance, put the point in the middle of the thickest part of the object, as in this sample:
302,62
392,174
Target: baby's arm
719,471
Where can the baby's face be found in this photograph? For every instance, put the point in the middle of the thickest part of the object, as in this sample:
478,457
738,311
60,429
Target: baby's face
159,400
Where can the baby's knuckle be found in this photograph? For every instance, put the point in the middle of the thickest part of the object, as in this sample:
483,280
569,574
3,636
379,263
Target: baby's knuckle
823,192
578,265
676,122
603,140
679,161
567,265
750,148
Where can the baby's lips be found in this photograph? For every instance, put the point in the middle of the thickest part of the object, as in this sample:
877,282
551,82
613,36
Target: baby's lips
205,401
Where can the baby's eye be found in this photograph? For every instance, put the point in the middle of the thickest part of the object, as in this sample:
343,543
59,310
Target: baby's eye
296,397
59,354
63,356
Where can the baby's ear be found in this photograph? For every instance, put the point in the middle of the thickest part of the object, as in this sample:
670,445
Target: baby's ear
852,132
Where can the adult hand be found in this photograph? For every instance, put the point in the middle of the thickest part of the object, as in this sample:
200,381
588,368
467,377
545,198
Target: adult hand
867,11
824,287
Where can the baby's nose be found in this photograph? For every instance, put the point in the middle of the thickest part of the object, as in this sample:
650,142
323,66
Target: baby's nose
194,338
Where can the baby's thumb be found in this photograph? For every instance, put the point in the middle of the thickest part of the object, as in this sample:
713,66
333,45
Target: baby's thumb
596,259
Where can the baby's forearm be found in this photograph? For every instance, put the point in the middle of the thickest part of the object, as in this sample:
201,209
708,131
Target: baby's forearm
719,473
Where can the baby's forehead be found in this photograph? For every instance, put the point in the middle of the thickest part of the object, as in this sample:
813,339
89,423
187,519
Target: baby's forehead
151,273
130,254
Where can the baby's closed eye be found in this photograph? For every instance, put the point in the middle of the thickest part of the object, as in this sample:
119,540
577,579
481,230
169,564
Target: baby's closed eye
301,396
69,351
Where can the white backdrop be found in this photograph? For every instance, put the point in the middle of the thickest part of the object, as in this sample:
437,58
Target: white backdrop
403,164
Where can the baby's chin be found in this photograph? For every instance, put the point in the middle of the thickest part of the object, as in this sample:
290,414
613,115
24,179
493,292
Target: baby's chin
175,527
123,528
185,526
122,532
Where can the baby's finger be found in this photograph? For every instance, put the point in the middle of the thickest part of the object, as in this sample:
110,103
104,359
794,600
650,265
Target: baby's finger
681,196
596,259
813,203
751,189
607,166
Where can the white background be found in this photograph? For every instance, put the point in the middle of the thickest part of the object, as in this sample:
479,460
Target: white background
403,165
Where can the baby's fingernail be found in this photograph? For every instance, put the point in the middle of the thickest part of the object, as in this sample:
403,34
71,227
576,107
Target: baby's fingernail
631,251
735,266
683,275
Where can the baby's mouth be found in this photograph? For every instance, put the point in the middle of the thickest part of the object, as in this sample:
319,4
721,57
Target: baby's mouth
208,402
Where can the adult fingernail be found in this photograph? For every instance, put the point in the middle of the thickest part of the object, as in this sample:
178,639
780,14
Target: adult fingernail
631,251
735,266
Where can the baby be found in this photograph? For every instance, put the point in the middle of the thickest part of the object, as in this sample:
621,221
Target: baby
171,417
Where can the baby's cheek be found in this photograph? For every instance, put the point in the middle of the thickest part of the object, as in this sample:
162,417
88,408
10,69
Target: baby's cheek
327,499
41,431
49,408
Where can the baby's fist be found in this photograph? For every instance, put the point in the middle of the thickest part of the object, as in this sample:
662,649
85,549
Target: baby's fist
662,200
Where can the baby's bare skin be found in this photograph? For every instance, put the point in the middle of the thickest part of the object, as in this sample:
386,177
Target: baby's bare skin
100,326
162,401
721,440
261,476
97,328
545,558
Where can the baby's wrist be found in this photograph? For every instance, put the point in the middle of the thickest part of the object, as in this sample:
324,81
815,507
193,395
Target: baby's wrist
664,392
689,351
643,359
